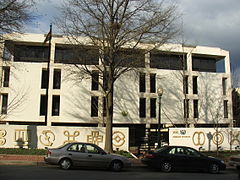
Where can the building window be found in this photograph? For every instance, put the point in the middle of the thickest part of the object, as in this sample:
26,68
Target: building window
152,83
142,82
195,108
44,84
162,60
43,105
77,55
94,106
95,80
6,74
185,84
224,85
203,64
142,108
153,107
225,104
55,105
25,53
195,85
57,79
4,103
104,107
186,108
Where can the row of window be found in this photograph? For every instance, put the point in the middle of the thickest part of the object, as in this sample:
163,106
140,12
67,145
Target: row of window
90,56
196,107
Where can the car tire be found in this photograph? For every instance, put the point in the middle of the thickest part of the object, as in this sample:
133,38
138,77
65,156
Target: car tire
166,167
214,168
65,164
116,165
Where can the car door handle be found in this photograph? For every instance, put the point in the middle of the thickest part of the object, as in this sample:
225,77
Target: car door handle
69,154
89,155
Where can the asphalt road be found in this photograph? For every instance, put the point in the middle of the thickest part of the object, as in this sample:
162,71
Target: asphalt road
13,172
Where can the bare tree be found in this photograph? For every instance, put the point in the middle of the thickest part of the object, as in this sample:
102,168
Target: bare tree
116,28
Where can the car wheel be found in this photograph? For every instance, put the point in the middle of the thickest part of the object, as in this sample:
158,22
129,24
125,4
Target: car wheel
166,167
214,168
116,166
65,164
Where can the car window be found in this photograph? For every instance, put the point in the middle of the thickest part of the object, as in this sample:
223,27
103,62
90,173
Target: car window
192,152
77,148
177,151
92,149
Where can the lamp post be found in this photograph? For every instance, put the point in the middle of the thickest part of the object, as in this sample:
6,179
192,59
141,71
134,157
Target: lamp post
160,93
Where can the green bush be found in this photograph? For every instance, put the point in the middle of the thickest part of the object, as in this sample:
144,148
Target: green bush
22,151
123,153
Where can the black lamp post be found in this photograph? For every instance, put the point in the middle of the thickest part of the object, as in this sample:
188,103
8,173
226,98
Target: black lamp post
160,93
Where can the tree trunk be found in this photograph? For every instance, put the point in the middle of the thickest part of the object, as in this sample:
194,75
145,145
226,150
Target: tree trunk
109,118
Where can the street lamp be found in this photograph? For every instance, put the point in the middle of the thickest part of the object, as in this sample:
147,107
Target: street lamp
160,93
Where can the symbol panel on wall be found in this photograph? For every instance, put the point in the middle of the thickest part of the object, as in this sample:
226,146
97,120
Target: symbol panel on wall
95,138
71,137
3,133
47,138
118,139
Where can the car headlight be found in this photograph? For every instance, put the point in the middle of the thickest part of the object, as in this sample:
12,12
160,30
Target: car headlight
222,162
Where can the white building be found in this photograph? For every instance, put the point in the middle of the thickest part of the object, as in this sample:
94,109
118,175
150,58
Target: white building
194,92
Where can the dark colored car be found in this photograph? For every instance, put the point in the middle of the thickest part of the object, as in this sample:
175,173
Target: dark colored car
85,155
170,158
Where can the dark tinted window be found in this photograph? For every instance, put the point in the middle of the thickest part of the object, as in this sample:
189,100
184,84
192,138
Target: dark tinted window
94,106
57,79
95,79
6,74
44,83
168,61
77,55
43,105
4,103
142,82
152,83
55,105
130,58
153,107
142,107
203,64
31,53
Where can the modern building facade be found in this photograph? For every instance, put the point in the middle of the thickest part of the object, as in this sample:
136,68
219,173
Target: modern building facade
196,92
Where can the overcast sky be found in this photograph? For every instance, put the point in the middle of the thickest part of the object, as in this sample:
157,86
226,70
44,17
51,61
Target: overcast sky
205,22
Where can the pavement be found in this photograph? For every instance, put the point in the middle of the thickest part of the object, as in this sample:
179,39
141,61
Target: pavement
37,160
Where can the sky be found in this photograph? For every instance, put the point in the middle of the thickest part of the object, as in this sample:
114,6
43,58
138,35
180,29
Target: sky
214,23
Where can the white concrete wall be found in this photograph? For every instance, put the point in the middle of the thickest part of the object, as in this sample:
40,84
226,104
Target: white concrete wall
206,138
75,96
13,136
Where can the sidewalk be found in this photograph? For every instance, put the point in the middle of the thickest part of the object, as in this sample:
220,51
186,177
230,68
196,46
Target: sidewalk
8,159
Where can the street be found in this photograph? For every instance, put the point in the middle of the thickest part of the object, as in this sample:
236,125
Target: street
15,172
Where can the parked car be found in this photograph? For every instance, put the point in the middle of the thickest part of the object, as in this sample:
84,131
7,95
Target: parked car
235,161
170,158
85,155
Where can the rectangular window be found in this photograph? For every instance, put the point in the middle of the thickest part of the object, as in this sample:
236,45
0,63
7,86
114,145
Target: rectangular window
43,105
25,53
142,108
86,55
57,79
55,105
195,108
225,108
162,60
95,80
224,85
4,103
44,83
203,64
195,85
142,82
186,108
153,107
185,84
94,106
104,107
152,83
6,74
